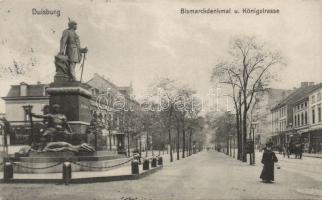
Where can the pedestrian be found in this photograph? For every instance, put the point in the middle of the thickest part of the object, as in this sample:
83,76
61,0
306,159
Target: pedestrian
285,150
268,159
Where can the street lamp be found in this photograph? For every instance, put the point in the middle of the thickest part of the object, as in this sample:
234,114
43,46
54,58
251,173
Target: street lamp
253,126
27,109
230,138
109,124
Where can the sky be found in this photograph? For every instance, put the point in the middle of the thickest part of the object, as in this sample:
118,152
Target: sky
140,41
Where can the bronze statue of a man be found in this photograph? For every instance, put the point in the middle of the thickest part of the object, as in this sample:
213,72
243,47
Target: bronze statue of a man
57,127
70,46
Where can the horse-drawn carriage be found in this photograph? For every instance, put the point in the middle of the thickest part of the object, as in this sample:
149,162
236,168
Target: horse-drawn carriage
295,146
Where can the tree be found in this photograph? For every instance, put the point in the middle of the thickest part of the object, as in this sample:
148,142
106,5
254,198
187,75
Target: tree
183,105
247,71
194,123
165,88
224,127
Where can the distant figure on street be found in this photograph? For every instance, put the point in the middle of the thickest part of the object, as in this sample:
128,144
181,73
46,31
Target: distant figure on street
286,151
269,158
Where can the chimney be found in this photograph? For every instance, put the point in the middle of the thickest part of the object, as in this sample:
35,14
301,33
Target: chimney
38,82
304,84
23,89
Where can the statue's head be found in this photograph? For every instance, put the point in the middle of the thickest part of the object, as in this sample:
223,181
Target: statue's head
72,25
56,108
46,109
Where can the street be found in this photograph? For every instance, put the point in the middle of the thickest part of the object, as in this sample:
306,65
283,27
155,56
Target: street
206,175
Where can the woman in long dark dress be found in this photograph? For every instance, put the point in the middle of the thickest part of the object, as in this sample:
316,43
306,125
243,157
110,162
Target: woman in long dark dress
269,158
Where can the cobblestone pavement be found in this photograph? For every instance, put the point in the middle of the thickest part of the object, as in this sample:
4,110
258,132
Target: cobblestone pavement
206,175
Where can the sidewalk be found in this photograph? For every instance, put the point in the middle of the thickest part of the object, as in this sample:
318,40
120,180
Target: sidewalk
314,155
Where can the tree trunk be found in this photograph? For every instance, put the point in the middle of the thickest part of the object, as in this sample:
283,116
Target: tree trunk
227,146
170,143
178,140
190,142
244,129
128,144
238,135
140,146
160,143
110,137
234,146
183,142
147,144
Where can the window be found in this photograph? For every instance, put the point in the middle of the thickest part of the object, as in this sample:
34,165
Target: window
305,117
319,113
302,119
23,90
305,104
44,93
295,124
319,96
313,116
298,119
313,99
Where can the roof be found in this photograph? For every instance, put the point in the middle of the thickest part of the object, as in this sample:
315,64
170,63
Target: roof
122,90
36,90
297,95
126,89
102,78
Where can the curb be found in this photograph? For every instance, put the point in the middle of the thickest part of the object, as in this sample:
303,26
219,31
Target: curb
87,179
312,156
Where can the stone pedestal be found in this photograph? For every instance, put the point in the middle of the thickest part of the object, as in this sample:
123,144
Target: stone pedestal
74,100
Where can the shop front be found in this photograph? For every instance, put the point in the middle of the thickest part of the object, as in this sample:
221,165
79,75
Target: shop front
312,141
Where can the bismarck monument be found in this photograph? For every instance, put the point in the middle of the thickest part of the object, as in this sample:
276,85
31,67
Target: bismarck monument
72,95
67,124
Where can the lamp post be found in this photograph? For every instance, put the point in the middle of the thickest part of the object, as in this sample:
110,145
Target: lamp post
230,137
128,142
253,126
109,133
249,145
27,109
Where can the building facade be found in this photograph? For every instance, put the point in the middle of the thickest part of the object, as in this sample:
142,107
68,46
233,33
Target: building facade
314,132
295,118
19,96
261,114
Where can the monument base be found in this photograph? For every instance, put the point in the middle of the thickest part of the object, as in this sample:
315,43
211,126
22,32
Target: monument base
97,161
74,100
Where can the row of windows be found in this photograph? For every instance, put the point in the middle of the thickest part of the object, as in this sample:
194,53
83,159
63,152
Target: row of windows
282,111
301,106
318,98
300,119
318,113
280,125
